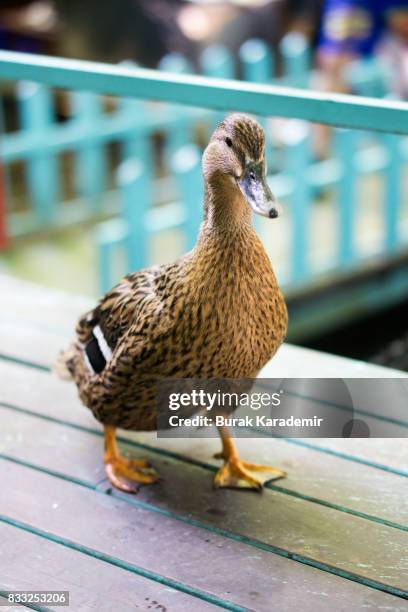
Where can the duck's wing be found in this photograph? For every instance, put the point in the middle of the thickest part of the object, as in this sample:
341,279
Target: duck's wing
118,309
117,337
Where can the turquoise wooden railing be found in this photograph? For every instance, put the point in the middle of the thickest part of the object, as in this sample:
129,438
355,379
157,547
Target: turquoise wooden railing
132,125
40,139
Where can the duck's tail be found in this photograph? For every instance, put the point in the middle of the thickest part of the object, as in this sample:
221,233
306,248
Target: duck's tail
61,366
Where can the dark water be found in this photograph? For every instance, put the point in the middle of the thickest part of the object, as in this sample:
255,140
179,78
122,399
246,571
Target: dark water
381,338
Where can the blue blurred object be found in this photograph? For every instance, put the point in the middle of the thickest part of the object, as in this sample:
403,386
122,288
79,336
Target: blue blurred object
355,26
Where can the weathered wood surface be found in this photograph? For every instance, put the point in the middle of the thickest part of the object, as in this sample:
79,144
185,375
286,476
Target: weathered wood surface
187,491
206,561
8,608
92,583
335,532
309,473
42,308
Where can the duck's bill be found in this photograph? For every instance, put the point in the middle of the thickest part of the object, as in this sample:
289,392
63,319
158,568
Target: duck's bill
257,193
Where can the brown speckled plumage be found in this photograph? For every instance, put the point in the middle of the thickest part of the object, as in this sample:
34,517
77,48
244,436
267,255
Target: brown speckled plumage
216,312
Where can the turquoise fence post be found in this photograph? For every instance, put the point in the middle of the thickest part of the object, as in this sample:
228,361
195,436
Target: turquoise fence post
175,62
298,157
256,61
37,117
135,194
216,61
135,179
345,144
180,134
111,237
294,48
104,266
91,166
136,142
367,77
258,67
186,166
393,195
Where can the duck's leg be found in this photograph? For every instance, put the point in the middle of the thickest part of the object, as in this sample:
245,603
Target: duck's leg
241,474
123,473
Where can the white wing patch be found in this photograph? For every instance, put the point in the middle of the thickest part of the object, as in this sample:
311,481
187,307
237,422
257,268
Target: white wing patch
103,345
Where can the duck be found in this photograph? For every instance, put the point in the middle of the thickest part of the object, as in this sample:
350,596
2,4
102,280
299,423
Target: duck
216,312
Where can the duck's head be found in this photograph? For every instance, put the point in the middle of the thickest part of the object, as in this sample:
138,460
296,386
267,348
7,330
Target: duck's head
234,160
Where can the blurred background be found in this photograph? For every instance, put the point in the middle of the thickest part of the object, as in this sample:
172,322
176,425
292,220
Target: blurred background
92,187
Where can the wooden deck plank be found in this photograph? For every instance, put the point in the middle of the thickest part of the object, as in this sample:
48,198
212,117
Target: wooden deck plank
330,536
75,454
23,340
315,537
380,450
364,490
40,306
250,577
330,479
334,481
93,585
134,536
6,608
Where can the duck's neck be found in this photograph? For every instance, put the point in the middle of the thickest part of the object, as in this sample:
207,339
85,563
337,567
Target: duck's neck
228,245
225,209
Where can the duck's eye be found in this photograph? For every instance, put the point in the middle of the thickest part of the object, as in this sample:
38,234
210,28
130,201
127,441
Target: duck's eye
228,141
252,175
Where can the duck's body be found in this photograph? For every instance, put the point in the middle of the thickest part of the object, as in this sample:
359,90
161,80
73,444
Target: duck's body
216,312
205,316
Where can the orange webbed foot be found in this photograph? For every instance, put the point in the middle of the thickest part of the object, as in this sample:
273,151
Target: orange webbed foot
239,474
124,473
